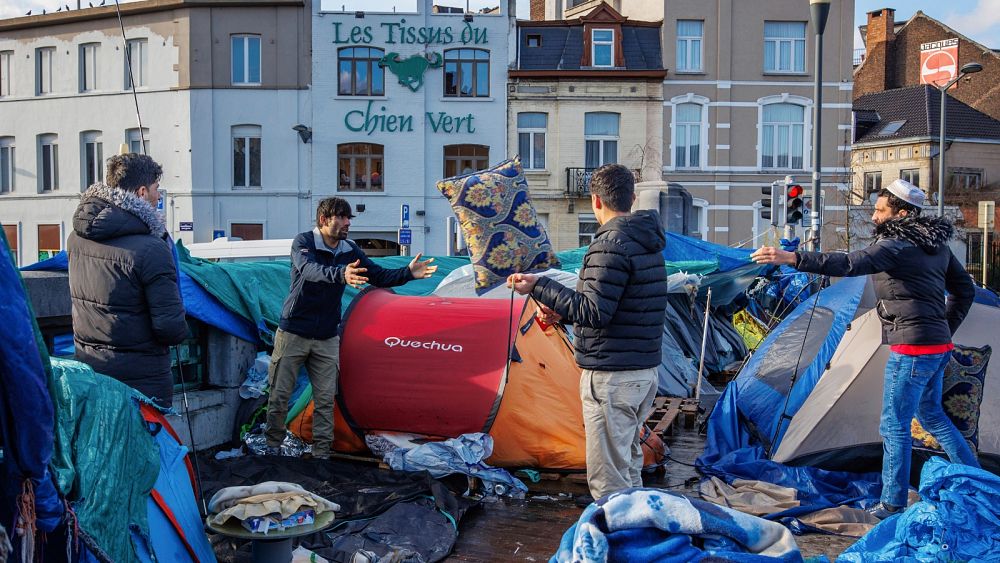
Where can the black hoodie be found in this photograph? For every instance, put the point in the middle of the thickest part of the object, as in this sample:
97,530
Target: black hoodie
911,267
127,308
618,307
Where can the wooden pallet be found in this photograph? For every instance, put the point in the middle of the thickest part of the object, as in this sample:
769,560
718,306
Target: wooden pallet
666,411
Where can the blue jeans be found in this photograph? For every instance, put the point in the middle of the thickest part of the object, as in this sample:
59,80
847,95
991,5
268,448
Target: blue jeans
913,385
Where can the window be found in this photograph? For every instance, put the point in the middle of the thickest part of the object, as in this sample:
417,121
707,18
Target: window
784,46
360,73
6,165
531,139
247,231
687,135
891,127
137,142
246,156
912,176
43,70
360,167
966,178
602,47
689,36
49,241
246,60
467,73
88,67
873,183
10,231
698,222
465,159
588,228
534,40
6,58
600,134
48,163
136,57
782,136
92,158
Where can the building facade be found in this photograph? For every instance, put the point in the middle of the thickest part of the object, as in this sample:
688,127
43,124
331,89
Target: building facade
400,101
218,90
583,93
892,59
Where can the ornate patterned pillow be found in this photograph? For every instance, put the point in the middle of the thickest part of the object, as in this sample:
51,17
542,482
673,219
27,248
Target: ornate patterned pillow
499,223
962,393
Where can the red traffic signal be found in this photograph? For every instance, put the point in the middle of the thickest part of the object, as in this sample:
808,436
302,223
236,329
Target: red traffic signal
795,190
793,204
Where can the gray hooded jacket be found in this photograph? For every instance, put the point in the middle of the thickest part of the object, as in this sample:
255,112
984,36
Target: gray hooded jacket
127,308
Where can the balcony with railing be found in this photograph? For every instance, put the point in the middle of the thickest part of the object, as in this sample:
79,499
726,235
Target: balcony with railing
859,56
578,181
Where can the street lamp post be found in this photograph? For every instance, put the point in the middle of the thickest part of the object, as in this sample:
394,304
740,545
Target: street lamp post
819,10
970,68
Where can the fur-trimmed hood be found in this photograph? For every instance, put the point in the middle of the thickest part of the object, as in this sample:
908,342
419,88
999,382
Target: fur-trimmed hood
106,213
931,234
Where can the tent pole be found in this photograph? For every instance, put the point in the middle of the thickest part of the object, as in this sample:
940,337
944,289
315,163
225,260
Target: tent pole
704,339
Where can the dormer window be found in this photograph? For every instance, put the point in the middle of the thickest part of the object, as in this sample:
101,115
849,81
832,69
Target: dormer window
602,45
534,40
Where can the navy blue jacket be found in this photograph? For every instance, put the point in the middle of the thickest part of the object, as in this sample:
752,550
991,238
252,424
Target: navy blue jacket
620,302
911,267
312,309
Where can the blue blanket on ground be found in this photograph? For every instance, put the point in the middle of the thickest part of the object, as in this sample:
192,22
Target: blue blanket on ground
657,525
958,519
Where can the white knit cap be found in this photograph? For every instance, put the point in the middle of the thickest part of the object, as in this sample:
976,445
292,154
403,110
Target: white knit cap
907,192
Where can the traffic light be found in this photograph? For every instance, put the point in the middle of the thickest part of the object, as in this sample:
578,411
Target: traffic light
769,204
794,205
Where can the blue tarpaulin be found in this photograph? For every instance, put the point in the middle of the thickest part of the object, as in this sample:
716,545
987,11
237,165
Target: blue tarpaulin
957,519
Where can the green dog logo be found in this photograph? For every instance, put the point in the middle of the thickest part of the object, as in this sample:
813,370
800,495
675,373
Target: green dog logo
410,71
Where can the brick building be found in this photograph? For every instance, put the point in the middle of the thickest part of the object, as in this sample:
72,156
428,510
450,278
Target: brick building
892,59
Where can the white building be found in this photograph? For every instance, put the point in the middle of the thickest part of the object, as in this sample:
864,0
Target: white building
219,90
400,101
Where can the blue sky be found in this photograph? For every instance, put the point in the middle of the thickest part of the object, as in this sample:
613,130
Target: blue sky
978,19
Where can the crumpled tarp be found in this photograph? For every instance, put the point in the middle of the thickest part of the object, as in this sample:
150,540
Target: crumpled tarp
26,411
105,461
957,520
464,455
658,525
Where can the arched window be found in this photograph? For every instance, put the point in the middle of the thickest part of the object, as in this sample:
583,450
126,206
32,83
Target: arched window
782,136
91,158
531,139
467,73
137,141
359,73
600,134
360,167
6,165
48,162
687,135
246,156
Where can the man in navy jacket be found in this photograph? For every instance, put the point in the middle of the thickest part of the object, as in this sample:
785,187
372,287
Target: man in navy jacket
911,268
324,261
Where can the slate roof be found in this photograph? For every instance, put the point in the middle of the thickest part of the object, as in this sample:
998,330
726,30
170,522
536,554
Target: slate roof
562,47
919,108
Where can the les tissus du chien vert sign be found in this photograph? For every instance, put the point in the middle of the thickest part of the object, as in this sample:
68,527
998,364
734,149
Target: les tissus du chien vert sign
409,71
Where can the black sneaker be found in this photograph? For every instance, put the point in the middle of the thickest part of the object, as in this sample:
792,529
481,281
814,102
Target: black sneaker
882,510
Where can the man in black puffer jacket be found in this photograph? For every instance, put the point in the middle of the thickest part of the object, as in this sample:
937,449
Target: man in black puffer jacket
127,308
911,267
617,312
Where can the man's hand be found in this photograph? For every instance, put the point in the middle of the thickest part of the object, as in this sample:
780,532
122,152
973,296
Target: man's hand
772,255
421,270
522,283
547,315
354,275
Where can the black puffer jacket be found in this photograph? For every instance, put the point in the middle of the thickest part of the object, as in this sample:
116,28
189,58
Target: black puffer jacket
618,308
911,267
127,307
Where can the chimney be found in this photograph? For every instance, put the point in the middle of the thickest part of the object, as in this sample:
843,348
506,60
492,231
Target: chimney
880,49
537,10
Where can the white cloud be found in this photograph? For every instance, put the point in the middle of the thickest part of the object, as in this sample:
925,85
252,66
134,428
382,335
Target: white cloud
981,23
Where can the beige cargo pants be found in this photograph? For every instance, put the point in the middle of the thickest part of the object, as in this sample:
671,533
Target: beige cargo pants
322,361
615,405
